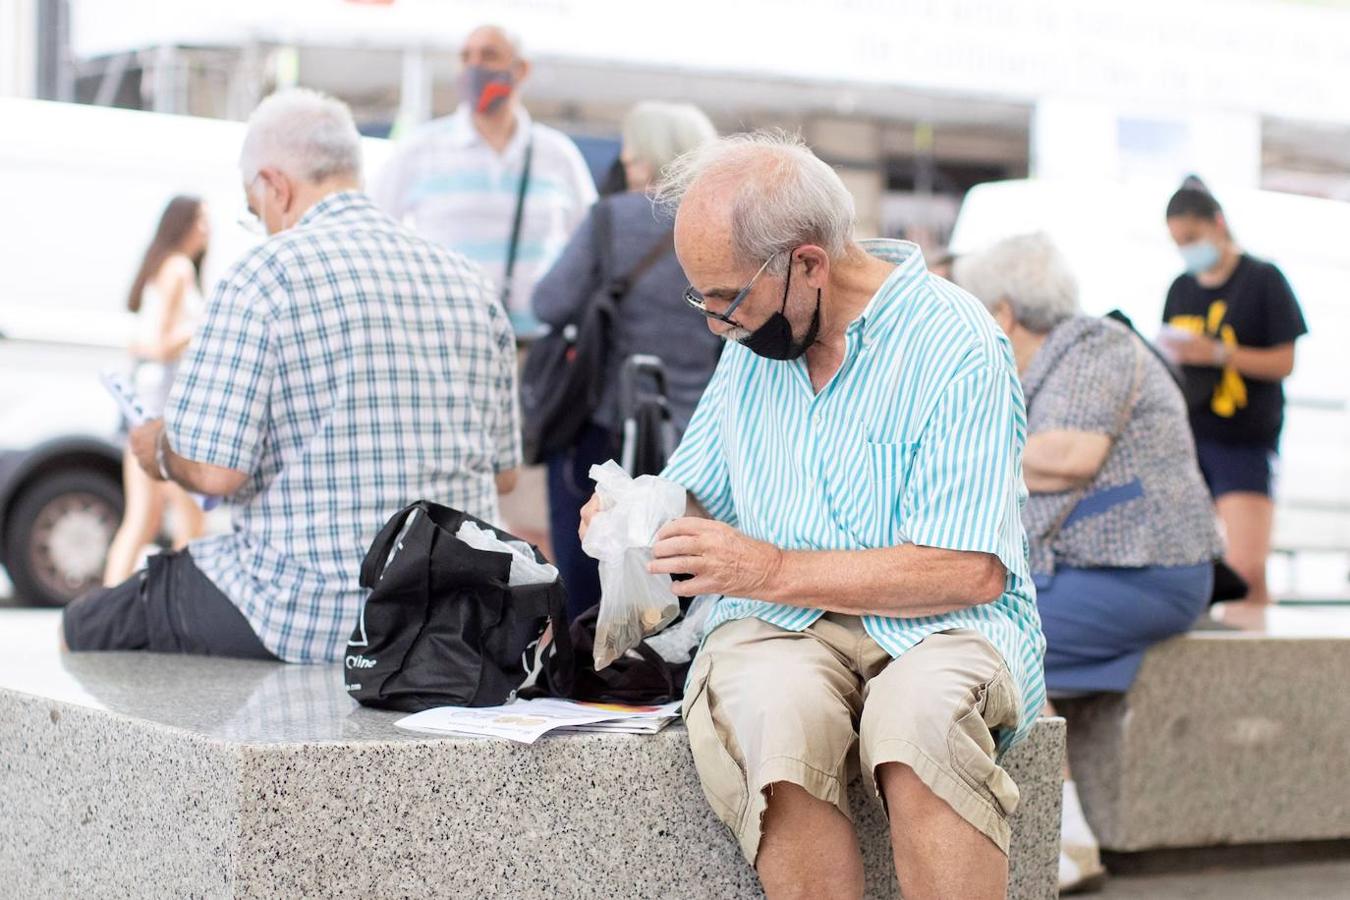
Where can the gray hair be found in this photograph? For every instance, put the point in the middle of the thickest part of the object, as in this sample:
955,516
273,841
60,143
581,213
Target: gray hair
783,194
1026,271
303,133
657,133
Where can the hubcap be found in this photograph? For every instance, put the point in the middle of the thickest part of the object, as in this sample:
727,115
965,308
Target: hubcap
70,543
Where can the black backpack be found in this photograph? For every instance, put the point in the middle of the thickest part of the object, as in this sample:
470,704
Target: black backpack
564,374
442,626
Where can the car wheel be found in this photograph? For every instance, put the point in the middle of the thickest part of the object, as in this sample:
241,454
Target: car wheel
57,539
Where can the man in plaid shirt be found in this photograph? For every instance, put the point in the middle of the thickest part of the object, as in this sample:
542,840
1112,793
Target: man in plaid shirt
345,369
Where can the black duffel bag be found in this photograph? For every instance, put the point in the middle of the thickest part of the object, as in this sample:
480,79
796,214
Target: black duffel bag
639,677
441,626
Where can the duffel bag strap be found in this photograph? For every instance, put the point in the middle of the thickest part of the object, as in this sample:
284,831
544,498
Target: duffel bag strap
372,567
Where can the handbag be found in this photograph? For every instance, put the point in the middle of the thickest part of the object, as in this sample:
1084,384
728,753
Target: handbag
564,374
639,677
442,626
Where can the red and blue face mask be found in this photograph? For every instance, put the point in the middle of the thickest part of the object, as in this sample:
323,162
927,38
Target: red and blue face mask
486,89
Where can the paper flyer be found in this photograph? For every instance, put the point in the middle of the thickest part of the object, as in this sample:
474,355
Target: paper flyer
528,720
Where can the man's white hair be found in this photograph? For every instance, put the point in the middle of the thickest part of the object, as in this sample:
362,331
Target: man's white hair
304,133
1028,272
658,133
782,194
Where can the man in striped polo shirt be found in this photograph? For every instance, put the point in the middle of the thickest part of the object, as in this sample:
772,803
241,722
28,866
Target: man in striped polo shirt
458,180
855,478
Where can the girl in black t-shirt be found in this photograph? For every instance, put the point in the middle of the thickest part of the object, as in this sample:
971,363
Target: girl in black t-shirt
1231,322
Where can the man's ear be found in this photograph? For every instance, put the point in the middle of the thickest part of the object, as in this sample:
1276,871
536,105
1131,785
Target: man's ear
281,188
816,262
522,69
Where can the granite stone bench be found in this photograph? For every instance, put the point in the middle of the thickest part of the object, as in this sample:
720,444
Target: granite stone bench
143,775
1226,737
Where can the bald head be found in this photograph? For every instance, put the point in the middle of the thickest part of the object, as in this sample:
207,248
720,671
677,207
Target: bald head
492,46
757,195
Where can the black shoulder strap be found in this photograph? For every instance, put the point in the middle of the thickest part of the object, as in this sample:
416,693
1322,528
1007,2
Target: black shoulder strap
602,232
511,249
1116,315
658,251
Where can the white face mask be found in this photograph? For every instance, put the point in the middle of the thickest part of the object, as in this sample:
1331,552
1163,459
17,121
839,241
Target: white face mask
1199,256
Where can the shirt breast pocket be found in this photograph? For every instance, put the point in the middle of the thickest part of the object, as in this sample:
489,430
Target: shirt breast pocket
887,470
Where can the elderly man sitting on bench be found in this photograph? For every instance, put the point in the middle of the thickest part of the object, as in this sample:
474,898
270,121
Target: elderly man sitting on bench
856,462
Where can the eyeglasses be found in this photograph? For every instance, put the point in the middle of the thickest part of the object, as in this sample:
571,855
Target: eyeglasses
248,219
700,303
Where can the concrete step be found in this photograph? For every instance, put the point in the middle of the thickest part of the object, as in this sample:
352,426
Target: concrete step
1227,737
144,775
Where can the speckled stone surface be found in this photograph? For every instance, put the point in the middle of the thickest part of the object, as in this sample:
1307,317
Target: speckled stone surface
140,775
1225,738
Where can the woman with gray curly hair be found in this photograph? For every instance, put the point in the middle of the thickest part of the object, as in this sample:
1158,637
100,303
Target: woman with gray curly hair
634,240
1120,524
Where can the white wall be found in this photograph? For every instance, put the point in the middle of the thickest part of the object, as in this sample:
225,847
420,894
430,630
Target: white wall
1078,138
18,48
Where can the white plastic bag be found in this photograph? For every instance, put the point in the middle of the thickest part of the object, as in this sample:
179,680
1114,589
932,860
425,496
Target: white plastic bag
676,644
525,569
633,602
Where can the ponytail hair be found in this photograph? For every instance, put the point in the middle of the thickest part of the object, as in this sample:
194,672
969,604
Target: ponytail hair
1194,199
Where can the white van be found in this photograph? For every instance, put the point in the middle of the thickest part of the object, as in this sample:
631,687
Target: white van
1114,236
81,191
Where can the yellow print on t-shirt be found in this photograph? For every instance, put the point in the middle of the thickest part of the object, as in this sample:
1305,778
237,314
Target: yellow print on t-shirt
1230,394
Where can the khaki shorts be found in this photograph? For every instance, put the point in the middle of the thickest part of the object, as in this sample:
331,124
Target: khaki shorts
766,705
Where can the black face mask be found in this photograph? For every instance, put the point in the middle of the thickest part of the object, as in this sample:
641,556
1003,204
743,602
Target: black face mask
773,339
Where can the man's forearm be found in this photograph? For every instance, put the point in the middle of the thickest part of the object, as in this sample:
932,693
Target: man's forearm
184,472
201,478
905,581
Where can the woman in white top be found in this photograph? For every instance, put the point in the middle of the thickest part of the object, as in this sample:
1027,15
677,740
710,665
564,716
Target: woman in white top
166,297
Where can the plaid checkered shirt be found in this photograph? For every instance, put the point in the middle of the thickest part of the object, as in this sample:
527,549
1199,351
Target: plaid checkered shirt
350,368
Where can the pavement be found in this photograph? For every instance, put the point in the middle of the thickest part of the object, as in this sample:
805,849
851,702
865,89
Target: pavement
1305,881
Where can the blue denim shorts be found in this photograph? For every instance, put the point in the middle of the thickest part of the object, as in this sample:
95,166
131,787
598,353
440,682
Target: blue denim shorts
1233,468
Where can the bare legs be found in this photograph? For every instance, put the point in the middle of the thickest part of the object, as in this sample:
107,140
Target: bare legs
809,848
187,522
938,854
1247,519
143,514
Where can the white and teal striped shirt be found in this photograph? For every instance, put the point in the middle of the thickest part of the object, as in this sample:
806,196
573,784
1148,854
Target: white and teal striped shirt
916,439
